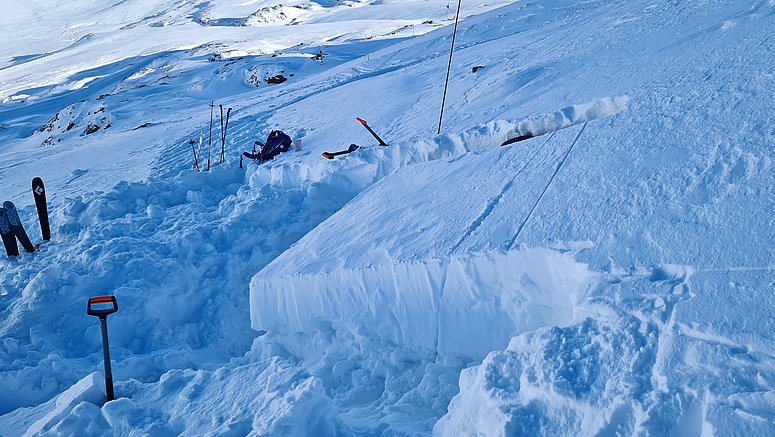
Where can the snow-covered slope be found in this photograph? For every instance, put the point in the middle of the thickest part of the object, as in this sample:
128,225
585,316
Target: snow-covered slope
611,275
124,83
652,198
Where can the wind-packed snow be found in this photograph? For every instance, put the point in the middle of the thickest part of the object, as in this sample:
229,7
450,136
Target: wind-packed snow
612,275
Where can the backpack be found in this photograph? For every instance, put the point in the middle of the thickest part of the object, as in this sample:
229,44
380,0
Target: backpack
276,143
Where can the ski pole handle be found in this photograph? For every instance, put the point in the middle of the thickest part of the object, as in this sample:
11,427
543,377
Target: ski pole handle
102,306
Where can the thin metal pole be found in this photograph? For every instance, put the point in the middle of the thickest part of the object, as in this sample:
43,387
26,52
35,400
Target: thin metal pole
106,353
449,66
196,160
223,146
210,141
223,136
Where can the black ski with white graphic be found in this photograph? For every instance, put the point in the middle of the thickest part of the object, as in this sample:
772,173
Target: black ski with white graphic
351,149
39,192
16,226
9,240
374,134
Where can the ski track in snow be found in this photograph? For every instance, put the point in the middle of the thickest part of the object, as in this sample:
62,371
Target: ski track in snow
493,202
548,184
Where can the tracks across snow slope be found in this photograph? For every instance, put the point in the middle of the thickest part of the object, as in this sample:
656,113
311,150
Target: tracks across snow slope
593,240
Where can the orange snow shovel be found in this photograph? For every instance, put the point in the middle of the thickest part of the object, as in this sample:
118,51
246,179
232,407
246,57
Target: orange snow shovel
102,306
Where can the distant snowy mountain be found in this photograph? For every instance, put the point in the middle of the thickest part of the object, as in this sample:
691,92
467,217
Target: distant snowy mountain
612,274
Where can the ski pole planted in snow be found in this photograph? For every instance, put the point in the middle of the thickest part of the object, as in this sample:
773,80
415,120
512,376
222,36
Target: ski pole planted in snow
201,142
225,129
223,132
102,306
210,141
223,139
196,160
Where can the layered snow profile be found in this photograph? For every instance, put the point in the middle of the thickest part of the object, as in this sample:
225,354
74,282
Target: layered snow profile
387,341
459,308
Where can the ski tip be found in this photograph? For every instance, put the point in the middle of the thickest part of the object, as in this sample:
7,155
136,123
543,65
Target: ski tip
362,121
517,139
327,155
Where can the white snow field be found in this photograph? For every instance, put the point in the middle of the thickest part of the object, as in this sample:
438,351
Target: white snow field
612,275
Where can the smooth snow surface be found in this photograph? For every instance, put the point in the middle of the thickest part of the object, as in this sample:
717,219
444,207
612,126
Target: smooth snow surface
612,275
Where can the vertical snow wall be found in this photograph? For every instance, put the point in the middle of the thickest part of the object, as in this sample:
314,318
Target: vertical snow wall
460,308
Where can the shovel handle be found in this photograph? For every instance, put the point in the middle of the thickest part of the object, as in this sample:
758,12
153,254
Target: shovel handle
97,306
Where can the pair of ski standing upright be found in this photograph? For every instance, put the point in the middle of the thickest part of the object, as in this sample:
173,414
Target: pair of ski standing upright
11,228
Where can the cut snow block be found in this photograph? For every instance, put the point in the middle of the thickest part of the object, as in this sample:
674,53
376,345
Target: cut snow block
89,389
463,307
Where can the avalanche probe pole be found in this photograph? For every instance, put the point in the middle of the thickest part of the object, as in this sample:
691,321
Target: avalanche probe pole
449,67
102,306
